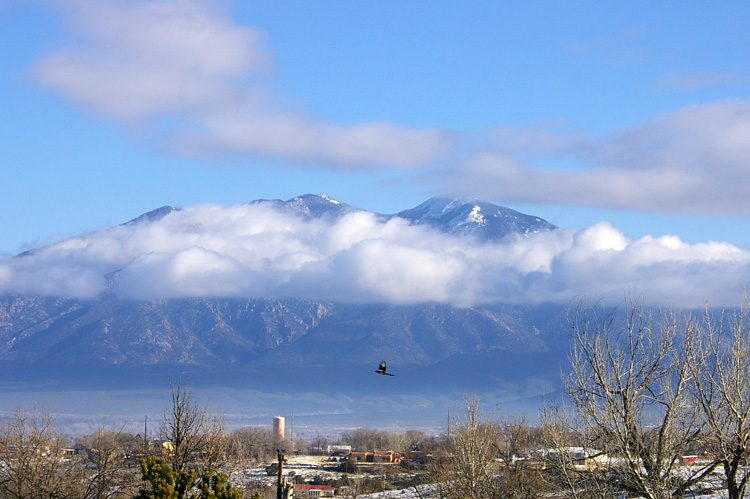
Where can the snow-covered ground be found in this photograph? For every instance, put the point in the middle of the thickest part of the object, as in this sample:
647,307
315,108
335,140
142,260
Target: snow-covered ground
410,493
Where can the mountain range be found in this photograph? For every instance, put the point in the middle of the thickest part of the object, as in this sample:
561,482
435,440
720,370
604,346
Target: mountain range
296,346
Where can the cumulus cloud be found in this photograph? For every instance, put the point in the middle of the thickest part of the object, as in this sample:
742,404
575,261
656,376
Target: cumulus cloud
255,250
183,68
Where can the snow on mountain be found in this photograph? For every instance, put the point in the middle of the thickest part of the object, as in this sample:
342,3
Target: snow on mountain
450,215
470,216
476,217
311,206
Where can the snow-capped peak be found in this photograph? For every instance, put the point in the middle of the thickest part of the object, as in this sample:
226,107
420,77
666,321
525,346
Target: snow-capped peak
467,215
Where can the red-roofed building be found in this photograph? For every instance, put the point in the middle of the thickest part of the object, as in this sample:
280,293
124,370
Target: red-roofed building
310,490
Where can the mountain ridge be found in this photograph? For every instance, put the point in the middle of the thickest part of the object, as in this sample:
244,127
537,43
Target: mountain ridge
292,344
454,215
37,329
472,216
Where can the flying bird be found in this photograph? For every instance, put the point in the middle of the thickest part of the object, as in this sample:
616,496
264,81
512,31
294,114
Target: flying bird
381,370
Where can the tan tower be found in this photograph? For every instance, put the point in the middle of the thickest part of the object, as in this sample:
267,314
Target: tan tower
278,427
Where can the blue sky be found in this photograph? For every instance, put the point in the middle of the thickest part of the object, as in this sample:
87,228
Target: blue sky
634,113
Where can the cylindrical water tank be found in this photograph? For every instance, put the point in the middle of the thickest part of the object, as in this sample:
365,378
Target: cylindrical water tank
278,427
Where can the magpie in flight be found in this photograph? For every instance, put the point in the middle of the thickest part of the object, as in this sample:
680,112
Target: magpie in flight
381,370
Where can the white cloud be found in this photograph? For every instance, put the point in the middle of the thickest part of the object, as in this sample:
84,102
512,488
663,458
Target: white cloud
693,160
141,59
185,66
288,134
253,250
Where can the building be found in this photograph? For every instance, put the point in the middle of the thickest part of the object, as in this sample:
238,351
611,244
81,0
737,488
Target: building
379,456
311,490
386,456
581,458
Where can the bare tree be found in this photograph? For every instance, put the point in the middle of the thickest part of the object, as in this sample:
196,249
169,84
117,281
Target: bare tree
722,390
215,451
109,477
253,444
575,467
193,439
519,478
365,439
182,430
416,440
481,458
629,383
33,462
466,467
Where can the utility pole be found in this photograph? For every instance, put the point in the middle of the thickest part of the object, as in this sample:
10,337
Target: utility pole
280,481
291,435
449,423
284,490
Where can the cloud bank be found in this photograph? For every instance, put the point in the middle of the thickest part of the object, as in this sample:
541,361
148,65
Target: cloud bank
254,250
